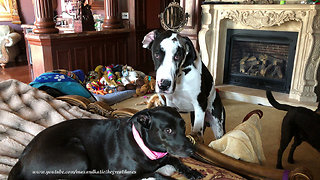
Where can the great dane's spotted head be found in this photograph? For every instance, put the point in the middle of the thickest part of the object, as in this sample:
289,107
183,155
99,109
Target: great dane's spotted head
170,53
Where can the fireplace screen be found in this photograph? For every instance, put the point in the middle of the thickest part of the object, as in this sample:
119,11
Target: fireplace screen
260,59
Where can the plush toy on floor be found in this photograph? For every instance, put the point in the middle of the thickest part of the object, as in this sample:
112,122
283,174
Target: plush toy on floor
108,78
96,87
99,70
102,80
148,87
92,76
153,101
129,75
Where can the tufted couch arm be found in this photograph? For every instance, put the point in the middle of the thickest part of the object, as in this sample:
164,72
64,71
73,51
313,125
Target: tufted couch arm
9,49
12,39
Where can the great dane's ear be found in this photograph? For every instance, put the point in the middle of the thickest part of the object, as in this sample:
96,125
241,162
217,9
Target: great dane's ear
191,52
149,38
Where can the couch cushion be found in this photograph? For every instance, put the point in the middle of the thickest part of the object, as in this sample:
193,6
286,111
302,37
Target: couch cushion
4,30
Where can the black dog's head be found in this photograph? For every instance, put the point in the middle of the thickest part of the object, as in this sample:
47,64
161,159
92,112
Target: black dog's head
170,53
163,129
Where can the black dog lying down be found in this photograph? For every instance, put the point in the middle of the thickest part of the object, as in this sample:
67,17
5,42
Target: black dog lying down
301,123
108,149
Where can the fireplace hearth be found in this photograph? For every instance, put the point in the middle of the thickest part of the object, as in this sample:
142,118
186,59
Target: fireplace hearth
260,59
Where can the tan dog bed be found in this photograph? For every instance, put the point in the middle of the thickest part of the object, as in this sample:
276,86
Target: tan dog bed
244,141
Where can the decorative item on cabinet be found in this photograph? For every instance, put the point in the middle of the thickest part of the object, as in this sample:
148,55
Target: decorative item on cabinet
75,17
87,20
98,19
173,17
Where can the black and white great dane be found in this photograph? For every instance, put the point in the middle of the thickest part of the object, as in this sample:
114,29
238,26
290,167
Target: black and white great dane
185,81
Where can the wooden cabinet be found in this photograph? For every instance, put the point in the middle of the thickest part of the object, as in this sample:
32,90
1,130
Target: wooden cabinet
192,28
140,26
78,50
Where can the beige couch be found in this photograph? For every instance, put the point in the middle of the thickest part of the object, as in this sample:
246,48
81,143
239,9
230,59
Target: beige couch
9,49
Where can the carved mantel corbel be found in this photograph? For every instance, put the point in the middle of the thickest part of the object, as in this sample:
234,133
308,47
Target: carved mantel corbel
312,57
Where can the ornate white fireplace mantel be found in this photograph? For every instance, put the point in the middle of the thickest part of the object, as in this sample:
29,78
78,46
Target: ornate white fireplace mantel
304,19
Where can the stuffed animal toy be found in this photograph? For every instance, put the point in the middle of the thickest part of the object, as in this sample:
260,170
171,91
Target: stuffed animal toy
148,87
92,76
100,69
118,77
117,68
108,78
96,87
109,90
107,82
140,74
101,80
138,84
126,69
121,88
152,83
129,75
153,101
109,73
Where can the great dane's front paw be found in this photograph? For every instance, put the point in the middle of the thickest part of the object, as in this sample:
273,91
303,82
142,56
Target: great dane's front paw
279,166
290,160
193,174
196,137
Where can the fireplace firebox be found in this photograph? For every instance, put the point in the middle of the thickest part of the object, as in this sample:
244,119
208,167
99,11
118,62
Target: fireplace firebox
260,59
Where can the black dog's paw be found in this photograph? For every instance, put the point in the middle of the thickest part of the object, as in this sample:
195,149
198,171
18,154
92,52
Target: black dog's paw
193,174
185,170
162,177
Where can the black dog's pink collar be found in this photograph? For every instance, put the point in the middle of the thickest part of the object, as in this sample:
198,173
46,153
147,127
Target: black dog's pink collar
153,155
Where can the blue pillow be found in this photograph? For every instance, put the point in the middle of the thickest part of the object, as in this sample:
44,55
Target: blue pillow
63,83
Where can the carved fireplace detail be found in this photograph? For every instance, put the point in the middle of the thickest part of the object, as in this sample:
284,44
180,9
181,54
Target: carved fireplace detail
304,19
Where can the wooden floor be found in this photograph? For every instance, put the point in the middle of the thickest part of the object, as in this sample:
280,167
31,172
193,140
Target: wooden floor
20,72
